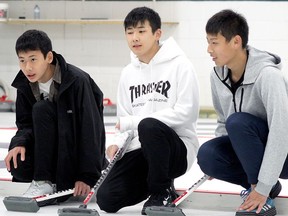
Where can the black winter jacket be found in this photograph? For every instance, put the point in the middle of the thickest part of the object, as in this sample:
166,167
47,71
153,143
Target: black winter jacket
81,133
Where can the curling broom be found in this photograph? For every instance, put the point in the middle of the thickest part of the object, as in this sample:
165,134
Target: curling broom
82,210
25,204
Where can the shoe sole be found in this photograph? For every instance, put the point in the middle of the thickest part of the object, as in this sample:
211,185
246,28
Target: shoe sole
173,196
143,211
47,202
276,190
270,212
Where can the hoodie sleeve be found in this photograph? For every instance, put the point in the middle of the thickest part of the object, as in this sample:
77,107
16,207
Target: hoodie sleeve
275,100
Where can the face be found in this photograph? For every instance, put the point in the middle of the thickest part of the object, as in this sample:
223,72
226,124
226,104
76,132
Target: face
223,52
142,41
34,66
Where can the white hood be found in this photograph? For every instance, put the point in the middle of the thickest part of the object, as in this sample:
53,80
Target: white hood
169,50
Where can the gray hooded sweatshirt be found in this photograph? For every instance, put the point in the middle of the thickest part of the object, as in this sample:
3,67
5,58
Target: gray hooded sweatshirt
263,93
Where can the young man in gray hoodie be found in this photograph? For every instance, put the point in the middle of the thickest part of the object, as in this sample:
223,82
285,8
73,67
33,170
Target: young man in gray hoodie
250,96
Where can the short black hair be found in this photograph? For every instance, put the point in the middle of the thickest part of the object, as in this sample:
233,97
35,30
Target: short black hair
142,14
32,40
229,24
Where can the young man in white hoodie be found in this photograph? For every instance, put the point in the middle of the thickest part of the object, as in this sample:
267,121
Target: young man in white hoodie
158,98
250,96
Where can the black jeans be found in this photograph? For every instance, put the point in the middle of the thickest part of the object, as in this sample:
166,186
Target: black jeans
141,172
40,161
237,158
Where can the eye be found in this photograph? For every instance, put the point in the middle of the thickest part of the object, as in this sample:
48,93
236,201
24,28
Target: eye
129,31
212,42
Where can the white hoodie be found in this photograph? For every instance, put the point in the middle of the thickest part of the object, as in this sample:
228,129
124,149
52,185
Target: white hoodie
165,89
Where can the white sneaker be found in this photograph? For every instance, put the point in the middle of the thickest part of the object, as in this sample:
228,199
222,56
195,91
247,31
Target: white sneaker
39,188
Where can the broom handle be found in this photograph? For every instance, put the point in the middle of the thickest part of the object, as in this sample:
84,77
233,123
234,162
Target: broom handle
54,195
190,190
121,151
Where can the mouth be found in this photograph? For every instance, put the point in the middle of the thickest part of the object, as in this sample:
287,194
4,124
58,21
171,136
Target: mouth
30,76
136,46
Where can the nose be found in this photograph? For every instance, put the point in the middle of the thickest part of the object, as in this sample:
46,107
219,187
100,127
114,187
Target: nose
28,66
135,36
209,50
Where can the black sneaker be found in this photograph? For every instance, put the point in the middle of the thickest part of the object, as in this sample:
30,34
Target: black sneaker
160,199
275,191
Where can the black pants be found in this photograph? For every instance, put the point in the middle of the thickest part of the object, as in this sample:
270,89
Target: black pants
141,172
40,161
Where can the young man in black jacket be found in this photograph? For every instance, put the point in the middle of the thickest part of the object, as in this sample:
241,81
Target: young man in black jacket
59,115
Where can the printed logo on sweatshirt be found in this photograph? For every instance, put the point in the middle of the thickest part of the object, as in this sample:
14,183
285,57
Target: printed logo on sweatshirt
162,87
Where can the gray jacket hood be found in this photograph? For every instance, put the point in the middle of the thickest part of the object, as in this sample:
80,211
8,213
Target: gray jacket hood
257,61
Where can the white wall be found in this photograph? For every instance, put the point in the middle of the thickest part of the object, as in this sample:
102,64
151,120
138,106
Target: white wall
101,50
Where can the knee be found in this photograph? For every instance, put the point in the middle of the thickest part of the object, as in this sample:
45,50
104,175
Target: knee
204,154
236,121
24,170
148,125
232,120
105,201
149,130
206,158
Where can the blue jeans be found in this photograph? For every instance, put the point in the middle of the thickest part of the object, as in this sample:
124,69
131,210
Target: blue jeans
237,158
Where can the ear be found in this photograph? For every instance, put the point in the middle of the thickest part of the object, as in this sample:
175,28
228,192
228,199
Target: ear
158,34
237,41
49,57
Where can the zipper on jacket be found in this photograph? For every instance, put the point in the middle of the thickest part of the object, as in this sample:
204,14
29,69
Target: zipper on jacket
241,99
233,93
